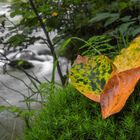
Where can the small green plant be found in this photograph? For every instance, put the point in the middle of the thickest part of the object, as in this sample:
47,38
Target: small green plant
95,45
100,43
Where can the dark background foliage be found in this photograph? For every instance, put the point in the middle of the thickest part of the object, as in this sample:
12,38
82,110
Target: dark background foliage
118,19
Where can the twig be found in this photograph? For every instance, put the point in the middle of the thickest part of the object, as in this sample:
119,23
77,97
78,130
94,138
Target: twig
50,45
22,82
14,90
5,101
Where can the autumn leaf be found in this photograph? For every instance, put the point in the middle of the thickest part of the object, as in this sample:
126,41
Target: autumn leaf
129,58
89,75
102,81
121,85
117,91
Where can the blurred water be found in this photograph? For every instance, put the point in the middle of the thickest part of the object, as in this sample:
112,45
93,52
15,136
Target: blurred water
3,8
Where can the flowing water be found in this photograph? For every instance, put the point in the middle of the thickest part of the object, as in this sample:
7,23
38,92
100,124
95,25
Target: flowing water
13,90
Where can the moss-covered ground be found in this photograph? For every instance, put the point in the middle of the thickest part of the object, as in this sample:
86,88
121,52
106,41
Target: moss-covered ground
68,115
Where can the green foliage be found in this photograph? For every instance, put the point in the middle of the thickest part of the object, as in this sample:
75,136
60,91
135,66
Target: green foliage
102,16
100,43
16,40
95,45
118,17
79,18
62,20
69,115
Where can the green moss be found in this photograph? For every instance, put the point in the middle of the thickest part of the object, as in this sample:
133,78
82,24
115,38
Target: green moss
69,115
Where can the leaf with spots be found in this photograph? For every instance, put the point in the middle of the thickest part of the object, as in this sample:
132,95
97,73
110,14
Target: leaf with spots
129,58
111,85
90,74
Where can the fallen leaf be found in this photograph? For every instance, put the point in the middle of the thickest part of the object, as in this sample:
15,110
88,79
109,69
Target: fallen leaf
122,84
129,58
117,91
90,74
98,79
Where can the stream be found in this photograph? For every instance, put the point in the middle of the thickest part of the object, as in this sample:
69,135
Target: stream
13,90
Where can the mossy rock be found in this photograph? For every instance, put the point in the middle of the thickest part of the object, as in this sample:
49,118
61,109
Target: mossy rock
21,64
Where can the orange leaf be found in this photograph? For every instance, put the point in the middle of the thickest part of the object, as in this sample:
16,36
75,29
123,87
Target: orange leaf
117,91
81,59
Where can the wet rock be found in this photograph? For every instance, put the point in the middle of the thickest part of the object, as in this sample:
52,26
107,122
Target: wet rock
29,55
25,54
21,64
44,52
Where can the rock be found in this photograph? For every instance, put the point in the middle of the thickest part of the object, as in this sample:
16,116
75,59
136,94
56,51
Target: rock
44,52
25,54
21,64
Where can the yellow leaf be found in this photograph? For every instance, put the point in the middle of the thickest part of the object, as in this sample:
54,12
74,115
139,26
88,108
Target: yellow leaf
90,74
129,57
54,14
